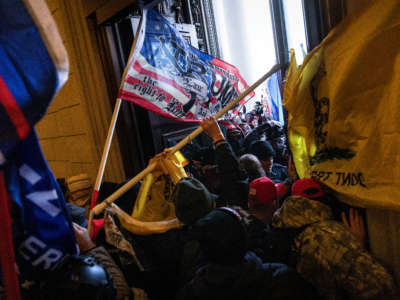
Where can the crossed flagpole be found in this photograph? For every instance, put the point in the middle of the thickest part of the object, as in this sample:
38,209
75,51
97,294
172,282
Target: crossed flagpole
95,210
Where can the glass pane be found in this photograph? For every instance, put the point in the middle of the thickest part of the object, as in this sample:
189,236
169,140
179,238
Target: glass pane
245,36
295,29
246,40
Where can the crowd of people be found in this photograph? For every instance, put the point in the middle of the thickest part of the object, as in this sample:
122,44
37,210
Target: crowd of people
251,229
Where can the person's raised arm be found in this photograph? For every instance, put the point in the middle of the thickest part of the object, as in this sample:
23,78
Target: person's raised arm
234,184
211,127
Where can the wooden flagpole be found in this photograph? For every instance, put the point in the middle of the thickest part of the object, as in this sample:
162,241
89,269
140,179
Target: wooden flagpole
127,186
111,129
106,150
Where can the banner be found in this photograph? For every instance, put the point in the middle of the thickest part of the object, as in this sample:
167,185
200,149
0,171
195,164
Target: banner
171,78
43,232
33,67
343,106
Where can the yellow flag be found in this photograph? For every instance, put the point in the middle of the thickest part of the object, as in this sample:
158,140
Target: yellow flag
344,108
296,134
152,201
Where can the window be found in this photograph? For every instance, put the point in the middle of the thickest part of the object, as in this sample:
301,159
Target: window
295,28
256,36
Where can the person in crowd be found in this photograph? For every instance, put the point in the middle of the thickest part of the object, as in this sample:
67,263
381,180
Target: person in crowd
252,118
270,244
80,277
192,200
263,198
231,271
91,275
252,166
233,188
246,129
265,153
273,132
234,135
329,255
88,248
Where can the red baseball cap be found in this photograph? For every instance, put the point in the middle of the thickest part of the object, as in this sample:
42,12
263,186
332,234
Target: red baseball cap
307,188
264,191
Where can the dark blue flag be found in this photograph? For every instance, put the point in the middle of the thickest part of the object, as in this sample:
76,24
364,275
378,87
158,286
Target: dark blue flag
33,66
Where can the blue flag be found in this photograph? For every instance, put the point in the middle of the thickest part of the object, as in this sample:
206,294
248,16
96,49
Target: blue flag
274,101
33,66
29,78
43,231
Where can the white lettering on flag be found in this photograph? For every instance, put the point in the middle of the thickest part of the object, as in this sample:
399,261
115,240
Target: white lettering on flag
34,249
31,246
50,257
178,92
29,174
42,199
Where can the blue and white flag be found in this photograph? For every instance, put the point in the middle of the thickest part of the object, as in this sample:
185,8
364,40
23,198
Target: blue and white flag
43,232
170,77
33,67
274,98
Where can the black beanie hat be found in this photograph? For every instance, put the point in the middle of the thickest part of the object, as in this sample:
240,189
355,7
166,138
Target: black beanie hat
222,236
262,149
192,200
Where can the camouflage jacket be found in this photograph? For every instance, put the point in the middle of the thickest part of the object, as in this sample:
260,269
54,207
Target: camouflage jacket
329,256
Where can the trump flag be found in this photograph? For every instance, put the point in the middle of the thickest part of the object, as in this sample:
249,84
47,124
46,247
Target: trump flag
170,77
33,67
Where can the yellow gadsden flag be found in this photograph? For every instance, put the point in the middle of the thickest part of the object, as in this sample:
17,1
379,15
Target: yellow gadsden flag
344,108
153,212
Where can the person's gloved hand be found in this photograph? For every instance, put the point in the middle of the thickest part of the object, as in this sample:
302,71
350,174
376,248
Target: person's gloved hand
211,127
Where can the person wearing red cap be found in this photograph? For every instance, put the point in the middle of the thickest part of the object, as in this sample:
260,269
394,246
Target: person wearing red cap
263,198
307,188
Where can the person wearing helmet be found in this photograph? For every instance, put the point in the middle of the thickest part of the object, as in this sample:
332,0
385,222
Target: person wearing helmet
91,275
80,277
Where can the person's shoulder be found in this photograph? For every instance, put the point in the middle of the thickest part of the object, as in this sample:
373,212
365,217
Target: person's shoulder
331,245
254,225
279,166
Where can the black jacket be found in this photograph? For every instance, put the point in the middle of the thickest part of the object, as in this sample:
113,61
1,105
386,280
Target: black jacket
279,173
234,185
271,244
250,279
